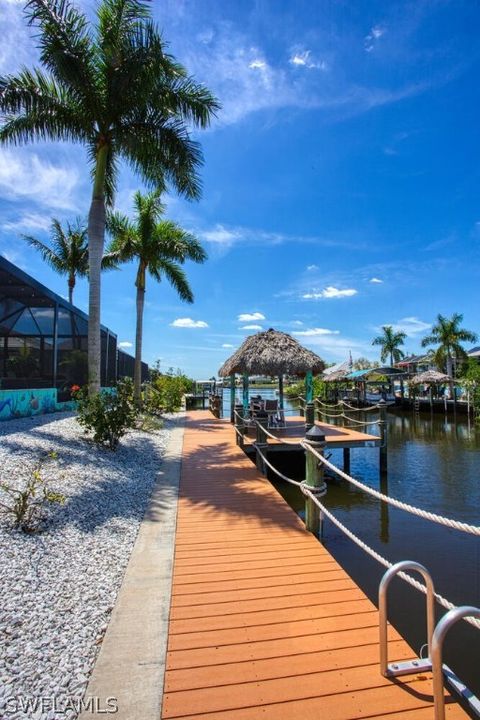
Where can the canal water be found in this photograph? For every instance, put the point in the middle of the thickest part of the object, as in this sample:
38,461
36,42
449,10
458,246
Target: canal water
433,464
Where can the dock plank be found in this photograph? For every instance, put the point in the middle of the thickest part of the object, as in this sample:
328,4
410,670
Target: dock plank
263,621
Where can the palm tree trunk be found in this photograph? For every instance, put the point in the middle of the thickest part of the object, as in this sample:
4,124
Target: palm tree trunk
137,383
71,285
96,237
450,375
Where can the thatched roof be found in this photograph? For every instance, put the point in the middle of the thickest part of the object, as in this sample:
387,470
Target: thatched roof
271,353
337,372
429,376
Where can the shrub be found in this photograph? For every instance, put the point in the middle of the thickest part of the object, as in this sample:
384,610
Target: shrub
108,415
28,505
165,392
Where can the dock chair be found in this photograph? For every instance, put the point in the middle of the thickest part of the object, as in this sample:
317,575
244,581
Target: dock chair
271,408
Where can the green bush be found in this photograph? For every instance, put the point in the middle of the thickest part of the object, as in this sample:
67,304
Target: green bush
298,388
28,505
108,415
165,392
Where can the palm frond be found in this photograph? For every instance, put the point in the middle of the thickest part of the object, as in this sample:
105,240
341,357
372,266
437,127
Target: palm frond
175,275
48,255
66,46
37,107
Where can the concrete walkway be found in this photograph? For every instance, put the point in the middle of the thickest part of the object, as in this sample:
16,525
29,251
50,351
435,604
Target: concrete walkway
131,663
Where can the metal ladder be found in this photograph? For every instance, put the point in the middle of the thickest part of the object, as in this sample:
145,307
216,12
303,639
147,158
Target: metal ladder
435,638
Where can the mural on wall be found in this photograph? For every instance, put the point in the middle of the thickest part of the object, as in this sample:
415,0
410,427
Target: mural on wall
26,403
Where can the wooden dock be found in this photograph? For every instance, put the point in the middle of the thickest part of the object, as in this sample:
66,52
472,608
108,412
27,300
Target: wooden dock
264,623
336,436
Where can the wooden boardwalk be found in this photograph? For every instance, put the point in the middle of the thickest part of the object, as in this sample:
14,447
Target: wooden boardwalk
264,624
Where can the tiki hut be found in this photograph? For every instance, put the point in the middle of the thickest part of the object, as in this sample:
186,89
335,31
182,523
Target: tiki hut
430,377
272,353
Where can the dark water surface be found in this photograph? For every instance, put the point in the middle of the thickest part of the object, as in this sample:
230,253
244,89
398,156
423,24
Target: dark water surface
433,464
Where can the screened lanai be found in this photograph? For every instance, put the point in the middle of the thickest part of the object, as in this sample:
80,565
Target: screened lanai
43,339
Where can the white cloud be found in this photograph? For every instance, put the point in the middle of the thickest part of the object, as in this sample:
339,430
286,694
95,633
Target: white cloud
125,344
220,235
330,292
227,345
370,40
27,175
16,48
375,280
189,323
247,317
297,323
412,326
251,327
316,331
257,65
312,267
28,222
302,58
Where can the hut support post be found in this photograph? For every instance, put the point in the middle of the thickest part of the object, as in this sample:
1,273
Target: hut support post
232,398
280,391
346,460
309,404
382,407
314,478
245,394
239,424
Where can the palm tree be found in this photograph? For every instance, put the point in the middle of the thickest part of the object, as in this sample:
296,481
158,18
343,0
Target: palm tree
448,335
159,247
114,89
390,342
68,254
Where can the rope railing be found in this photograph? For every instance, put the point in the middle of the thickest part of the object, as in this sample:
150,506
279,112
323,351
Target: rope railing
315,493
379,558
342,403
276,437
365,423
425,514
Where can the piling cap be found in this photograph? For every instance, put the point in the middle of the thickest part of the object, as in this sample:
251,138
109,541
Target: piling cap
314,434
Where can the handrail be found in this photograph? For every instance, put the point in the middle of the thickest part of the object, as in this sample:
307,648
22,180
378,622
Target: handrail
411,666
443,626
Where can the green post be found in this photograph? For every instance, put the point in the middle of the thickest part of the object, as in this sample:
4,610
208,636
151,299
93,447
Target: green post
309,387
309,404
314,478
245,394
232,398
382,407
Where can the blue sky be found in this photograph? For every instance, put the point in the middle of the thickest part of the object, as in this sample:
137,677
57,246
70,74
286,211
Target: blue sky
341,179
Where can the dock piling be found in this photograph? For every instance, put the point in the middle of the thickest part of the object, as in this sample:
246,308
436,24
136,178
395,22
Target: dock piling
309,416
239,424
261,441
314,477
382,407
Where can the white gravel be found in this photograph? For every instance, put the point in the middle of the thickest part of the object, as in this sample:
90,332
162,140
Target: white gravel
58,588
